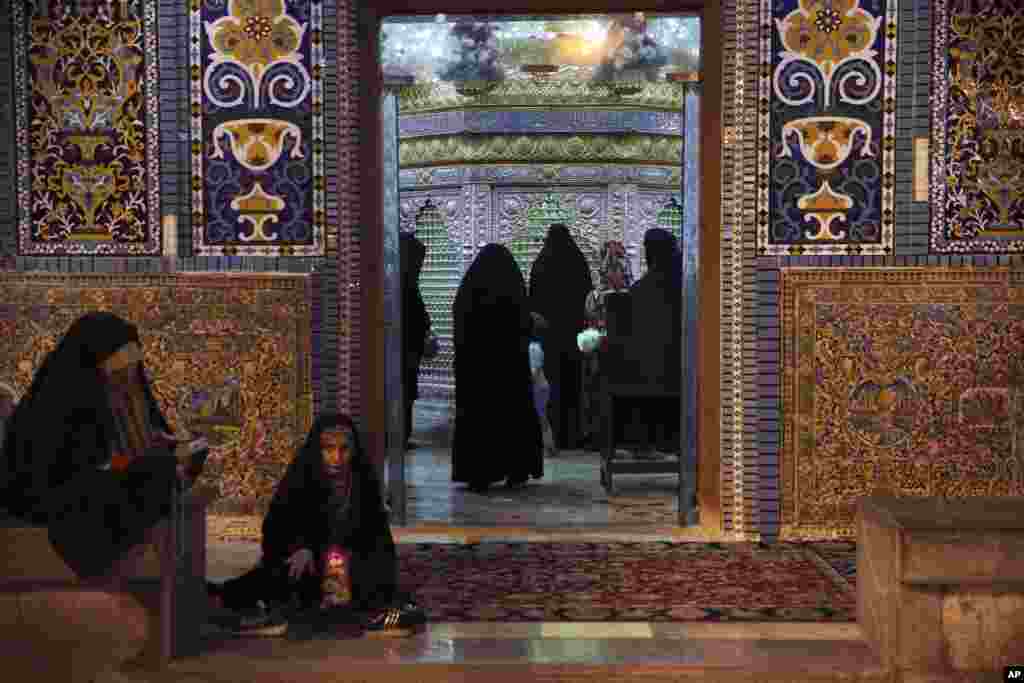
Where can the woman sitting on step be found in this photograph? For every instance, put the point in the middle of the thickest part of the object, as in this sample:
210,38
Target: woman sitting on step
326,543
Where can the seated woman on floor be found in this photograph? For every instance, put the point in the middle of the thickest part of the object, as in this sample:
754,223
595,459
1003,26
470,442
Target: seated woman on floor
87,452
327,543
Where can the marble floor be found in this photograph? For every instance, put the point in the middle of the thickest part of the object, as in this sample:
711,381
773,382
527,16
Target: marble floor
569,495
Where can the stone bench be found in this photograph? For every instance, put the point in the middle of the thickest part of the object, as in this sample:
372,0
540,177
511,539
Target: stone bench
940,585
54,626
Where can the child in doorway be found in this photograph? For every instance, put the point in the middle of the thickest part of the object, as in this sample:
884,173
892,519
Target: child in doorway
541,388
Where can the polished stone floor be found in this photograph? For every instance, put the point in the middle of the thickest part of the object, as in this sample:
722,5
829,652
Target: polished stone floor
516,652
569,495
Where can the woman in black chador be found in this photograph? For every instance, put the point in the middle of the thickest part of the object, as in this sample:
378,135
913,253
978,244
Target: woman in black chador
415,323
497,431
559,285
657,300
326,538
87,451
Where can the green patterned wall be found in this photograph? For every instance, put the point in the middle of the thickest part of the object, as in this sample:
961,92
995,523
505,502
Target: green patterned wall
671,218
442,271
527,243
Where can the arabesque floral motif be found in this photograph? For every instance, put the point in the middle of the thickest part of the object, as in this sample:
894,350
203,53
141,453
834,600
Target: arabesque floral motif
978,127
829,32
87,130
906,380
256,34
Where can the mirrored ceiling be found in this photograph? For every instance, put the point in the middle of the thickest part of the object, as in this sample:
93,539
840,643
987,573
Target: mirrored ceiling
445,48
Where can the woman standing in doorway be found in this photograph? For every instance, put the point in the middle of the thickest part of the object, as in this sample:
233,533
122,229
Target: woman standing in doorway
497,431
559,285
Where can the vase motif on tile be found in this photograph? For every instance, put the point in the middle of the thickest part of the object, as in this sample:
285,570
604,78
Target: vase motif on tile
257,127
827,127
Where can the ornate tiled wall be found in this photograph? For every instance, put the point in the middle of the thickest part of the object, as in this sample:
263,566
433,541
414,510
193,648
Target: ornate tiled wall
782,131
167,202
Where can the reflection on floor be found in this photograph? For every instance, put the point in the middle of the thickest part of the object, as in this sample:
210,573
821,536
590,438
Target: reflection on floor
570,495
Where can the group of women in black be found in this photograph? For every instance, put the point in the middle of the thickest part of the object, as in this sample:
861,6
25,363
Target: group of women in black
497,429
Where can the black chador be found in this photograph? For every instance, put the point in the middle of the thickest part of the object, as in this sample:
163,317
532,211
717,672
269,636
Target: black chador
73,445
497,431
323,501
559,284
415,322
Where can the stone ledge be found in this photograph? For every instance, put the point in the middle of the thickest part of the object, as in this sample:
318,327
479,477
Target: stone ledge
940,601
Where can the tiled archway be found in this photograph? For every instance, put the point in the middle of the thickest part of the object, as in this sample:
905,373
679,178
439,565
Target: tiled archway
360,267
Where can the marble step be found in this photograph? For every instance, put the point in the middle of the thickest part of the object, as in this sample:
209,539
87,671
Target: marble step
423,659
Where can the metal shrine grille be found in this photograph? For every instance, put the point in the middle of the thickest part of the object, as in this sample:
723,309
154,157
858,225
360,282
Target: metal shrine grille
439,281
671,218
526,244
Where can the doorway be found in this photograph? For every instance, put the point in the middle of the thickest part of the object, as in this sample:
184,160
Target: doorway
426,217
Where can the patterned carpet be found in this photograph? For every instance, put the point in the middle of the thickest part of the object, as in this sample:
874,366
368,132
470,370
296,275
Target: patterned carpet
615,582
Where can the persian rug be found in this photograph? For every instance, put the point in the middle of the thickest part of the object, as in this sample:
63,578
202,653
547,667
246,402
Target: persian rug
258,151
88,128
228,357
827,126
615,582
905,380
977,85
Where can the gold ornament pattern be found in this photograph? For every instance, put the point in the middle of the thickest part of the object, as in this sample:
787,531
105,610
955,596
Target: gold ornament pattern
658,149
977,185
228,356
87,129
903,380
527,92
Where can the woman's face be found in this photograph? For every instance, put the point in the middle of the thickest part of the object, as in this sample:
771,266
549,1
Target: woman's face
125,362
335,447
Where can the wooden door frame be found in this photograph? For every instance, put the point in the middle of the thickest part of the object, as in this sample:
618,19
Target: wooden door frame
373,409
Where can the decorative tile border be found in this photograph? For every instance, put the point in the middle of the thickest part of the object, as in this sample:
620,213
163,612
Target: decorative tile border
539,121
76,119
966,204
537,173
257,130
349,218
827,128
741,38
